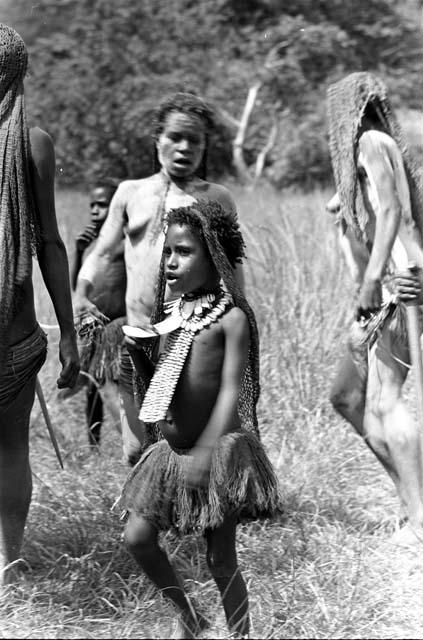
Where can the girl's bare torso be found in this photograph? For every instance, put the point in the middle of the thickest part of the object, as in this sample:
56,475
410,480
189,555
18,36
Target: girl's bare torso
197,389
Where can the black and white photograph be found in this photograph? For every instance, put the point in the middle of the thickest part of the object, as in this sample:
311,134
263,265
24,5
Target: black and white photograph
211,319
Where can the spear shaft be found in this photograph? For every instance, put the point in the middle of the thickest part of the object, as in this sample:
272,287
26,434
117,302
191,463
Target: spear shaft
413,326
46,415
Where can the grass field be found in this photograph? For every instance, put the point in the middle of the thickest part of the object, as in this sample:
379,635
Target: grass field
324,570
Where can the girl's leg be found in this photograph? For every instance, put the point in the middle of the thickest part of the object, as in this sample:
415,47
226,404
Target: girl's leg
141,538
223,565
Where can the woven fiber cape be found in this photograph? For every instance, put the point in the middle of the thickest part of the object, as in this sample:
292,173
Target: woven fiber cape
18,229
346,103
250,386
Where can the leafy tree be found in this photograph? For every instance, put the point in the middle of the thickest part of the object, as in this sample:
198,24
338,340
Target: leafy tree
98,69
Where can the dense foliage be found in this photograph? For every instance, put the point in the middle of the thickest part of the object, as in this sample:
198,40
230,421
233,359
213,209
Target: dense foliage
99,67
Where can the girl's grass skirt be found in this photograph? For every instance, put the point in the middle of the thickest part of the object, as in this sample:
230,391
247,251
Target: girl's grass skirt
242,481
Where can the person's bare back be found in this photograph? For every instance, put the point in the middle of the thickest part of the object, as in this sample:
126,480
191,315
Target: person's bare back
384,185
42,169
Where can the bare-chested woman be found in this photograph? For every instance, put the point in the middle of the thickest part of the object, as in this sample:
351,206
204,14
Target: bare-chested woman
210,469
137,211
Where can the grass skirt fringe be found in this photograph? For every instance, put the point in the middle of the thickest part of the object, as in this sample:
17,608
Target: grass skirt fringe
242,481
99,352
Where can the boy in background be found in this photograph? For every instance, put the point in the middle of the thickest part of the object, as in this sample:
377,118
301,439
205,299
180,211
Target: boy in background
99,351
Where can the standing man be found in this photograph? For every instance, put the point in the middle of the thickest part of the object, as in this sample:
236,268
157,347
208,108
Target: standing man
27,225
379,202
100,356
137,213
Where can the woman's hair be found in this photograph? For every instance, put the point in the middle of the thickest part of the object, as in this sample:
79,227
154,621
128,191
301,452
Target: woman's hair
187,103
223,224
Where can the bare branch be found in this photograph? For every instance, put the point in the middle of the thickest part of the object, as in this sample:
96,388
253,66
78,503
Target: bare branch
239,139
271,140
229,118
274,58
261,158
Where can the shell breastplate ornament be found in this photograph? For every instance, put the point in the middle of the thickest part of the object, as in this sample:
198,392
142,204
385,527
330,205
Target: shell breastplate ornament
186,316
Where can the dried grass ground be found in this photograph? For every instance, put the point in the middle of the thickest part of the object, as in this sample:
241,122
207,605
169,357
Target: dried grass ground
326,570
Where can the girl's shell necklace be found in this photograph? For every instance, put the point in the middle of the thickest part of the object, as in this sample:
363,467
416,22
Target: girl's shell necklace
186,316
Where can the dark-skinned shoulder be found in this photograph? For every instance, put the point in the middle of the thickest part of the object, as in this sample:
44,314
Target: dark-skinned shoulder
43,167
42,153
235,321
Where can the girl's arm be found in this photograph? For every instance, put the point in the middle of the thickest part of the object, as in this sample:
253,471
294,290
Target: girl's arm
225,411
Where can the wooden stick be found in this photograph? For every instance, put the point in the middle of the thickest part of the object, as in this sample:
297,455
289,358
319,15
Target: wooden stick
416,355
46,415
413,327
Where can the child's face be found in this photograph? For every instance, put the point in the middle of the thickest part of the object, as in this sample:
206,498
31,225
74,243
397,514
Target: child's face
187,263
99,204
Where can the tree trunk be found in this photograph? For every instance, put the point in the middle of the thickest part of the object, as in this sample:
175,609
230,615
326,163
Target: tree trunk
261,158
238,143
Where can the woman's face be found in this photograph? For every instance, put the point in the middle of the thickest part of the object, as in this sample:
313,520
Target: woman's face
181,144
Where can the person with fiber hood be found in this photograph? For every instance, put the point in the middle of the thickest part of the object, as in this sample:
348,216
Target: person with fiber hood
28,227
379,207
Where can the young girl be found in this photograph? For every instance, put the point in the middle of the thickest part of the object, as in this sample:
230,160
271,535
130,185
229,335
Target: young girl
210,470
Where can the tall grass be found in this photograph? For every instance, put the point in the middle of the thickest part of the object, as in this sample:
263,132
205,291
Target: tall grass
325,569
